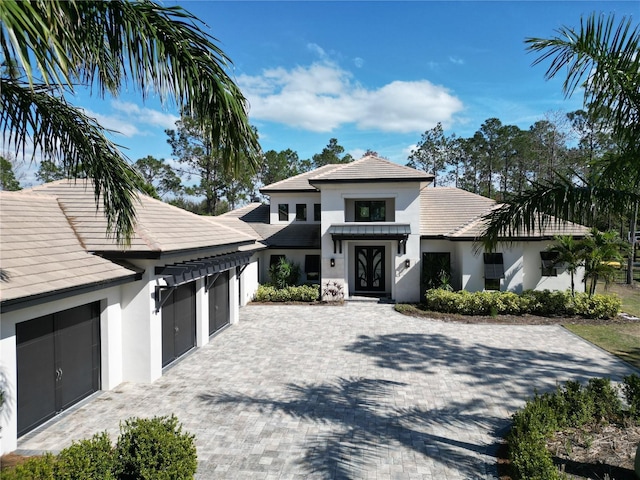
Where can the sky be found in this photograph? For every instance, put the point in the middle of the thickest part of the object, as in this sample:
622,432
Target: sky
373,75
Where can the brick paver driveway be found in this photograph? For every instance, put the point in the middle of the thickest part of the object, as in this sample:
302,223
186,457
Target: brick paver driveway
354,391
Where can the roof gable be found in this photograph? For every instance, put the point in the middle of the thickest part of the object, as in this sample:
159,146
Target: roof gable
370,169
159,227
40,253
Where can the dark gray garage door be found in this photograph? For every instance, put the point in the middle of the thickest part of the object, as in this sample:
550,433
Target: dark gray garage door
178,322
58,359
219,303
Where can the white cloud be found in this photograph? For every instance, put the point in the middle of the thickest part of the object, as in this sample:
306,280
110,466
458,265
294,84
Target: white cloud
146,115
456,60
358,62
115,123
322,97
317,49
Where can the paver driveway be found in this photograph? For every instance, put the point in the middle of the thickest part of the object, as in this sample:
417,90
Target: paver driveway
354,391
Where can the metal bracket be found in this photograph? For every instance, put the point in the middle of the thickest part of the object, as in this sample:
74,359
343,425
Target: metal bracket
212,279
158,295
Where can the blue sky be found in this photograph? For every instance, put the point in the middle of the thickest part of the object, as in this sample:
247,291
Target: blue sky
374,75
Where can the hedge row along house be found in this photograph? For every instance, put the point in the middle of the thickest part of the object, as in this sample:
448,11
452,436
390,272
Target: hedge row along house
80,314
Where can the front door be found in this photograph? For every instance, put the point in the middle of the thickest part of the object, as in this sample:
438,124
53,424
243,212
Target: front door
370,269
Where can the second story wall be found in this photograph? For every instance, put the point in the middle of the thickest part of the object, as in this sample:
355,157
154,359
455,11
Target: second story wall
293,207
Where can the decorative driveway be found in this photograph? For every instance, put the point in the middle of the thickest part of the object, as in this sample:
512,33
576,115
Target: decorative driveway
345,392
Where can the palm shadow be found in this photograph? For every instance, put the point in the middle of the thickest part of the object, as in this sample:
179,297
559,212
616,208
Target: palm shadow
361,424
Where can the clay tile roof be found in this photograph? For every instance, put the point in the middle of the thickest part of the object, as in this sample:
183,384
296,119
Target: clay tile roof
370,169
159,227
298,183
40,253
455,213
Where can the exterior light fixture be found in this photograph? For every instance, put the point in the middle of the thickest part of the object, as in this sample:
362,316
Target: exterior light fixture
407,263
333,262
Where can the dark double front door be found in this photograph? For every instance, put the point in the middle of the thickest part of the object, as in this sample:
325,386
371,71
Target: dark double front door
58,359
370,272
219,303
178,322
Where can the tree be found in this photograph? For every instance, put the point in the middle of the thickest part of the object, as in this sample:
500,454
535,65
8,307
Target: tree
191,145
602,251
331,154
601,57
570,253
49,46
279,165
160,175
49,171
433,152
8,180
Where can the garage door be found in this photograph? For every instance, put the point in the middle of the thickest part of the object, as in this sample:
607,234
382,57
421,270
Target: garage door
58,359
219,303
178,322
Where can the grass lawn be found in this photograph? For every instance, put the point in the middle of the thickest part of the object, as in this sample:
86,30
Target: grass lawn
622,340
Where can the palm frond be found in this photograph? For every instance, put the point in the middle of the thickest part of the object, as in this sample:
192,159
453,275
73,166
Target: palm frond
65,135
550,203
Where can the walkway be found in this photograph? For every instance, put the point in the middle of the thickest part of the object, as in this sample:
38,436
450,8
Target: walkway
346,392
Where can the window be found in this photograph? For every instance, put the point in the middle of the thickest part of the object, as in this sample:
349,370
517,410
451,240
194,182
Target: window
301,212
493,270
312,266
275,259
283,212
549,261
370,210
317,216
436,269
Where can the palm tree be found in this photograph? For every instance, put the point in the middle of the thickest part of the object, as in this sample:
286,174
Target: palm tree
602,251
570,253
50,46
603,58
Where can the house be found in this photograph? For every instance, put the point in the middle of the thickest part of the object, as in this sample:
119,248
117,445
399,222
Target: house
376,228
80,313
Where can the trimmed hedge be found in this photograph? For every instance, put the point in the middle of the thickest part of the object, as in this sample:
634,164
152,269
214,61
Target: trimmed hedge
568,407
302,293
544,303
153,448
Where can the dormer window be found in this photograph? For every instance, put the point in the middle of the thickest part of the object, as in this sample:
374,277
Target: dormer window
370,211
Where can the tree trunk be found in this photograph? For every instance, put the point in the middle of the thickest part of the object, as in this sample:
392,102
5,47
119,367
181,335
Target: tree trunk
632,240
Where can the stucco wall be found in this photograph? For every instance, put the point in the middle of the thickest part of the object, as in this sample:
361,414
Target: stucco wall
309,199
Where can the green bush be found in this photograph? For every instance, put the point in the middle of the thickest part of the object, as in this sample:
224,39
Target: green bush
35,468
569,406
87,460
302,293
155,448
284,273
631,390
543,303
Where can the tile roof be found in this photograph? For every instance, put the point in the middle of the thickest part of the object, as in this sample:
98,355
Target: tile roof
367,169
298,183
454,213
292,235
40,253
370,169
159,227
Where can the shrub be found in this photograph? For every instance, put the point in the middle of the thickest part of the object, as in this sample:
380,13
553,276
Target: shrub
302,293
87,460
543,303
35,468
155,449
284,273
631,391
606,402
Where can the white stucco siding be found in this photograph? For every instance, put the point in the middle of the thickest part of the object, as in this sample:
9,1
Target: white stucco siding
110,353
297,256
249,280
292,199
403,284
533,271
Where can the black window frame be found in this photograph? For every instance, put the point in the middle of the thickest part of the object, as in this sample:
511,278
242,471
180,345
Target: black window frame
317,212
493,270
312,266
274,259
548,263
372,206
301,212
283,212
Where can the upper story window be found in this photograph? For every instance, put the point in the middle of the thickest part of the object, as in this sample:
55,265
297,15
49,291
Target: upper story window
301,212
370,210
283,212
317,215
